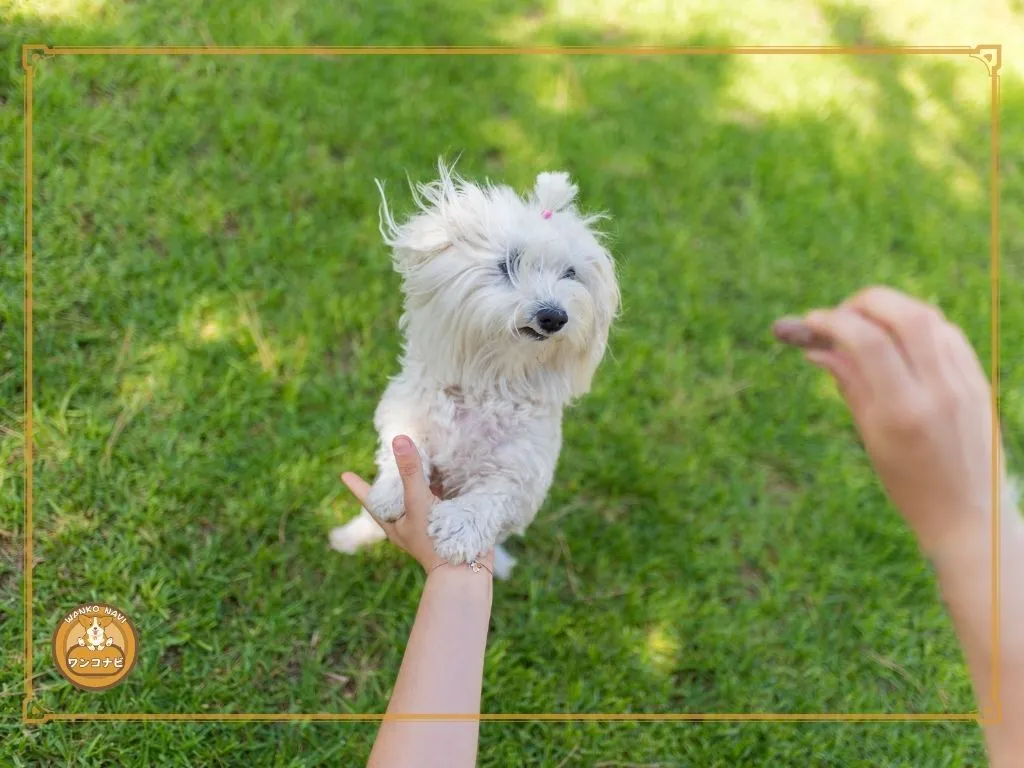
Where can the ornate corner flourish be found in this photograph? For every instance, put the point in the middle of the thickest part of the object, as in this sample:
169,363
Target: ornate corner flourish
33,53
32,712
989,55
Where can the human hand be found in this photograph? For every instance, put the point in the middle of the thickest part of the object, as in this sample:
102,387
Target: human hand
922,405
409,532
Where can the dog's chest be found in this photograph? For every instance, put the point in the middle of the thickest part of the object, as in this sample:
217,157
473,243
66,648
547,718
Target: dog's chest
466,435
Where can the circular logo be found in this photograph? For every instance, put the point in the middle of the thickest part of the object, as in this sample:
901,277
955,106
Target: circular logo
95,647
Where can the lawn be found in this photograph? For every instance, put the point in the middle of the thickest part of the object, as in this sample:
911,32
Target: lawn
215,317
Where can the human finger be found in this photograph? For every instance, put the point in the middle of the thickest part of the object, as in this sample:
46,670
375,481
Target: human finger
359,487
961,363
840,368
418,498
875,366
915,325
795,332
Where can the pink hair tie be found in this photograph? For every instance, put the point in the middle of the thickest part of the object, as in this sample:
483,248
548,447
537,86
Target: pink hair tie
546,214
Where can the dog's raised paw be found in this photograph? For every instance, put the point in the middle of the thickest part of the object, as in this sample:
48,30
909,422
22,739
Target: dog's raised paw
386,499
455,533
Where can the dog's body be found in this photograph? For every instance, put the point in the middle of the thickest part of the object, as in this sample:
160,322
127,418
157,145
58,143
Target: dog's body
508,305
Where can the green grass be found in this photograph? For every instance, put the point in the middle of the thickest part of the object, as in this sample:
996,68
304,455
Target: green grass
215,318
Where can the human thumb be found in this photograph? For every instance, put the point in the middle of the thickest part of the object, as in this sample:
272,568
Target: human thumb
417,492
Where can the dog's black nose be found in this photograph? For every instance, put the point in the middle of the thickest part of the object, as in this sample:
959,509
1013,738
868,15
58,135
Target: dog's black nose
552,319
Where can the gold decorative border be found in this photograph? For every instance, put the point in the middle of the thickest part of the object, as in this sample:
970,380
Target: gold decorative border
989,55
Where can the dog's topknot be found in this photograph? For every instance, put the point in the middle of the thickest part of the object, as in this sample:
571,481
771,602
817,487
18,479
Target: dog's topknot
554,190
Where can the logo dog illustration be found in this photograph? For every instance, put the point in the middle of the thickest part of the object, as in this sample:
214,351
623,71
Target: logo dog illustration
96,652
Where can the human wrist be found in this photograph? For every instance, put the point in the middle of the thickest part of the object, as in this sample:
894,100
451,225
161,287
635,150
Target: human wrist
949,544
960,547
434,561
475,577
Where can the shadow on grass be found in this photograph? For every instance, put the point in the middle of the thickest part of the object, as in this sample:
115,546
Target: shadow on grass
209,276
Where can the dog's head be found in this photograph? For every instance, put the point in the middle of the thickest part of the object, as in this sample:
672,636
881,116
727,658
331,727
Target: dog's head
95,628
502,285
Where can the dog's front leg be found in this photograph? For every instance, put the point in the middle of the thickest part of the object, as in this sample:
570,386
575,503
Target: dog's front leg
470,524
399,413
385,500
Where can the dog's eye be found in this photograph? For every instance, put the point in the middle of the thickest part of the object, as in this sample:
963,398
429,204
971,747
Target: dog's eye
569,274
511,263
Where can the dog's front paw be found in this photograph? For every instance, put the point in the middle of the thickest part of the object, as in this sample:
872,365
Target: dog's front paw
386,499
455,533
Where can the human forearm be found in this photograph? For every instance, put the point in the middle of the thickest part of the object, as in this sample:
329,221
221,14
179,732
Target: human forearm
451,632
441,673
965,578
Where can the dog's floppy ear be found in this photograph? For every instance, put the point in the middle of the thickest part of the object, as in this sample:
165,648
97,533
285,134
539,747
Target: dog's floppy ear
449,210
607,301
553,191
416,239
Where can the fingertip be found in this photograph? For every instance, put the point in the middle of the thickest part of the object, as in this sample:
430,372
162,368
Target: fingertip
352,480
402,446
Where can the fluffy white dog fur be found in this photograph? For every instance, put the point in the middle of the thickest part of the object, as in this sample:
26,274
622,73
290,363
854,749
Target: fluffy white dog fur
508,305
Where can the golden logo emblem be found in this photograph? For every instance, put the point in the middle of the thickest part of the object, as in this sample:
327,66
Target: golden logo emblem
95,647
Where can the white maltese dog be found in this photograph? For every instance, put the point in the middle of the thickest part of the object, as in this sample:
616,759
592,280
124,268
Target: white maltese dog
508,305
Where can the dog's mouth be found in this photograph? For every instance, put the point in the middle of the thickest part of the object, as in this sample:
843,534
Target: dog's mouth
530,333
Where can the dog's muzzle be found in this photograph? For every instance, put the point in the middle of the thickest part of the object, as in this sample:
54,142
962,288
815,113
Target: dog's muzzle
548,321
